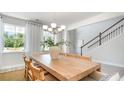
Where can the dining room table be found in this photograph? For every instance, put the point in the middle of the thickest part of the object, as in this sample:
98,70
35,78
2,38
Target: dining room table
66,68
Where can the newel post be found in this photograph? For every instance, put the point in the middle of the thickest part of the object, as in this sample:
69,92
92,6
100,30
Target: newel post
100,39
81,51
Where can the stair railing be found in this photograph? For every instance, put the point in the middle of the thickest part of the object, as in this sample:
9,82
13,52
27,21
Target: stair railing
102,37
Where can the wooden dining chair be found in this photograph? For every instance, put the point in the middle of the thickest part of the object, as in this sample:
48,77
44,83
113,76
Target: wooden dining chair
34,63
88,58
26,66
67,54
85,57
70,55
38,74
63,54
97,75
40,53
35,73
27,61
73,55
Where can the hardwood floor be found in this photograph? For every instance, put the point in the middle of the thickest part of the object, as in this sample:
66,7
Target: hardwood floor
112,70
13,76
19,75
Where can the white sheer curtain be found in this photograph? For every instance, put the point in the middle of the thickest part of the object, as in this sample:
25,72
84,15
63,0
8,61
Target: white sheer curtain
33,37
1,35
65,37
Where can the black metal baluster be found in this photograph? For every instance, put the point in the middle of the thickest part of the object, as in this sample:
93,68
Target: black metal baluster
81,51
114,32
118,30
101,39
122,28
111,34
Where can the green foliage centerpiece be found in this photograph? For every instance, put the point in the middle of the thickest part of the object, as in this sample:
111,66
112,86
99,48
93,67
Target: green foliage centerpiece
54,48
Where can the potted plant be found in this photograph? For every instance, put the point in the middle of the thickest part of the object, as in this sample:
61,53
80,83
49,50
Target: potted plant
54,48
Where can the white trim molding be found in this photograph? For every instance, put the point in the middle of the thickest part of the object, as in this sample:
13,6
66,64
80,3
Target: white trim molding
108,63
11,68
95,19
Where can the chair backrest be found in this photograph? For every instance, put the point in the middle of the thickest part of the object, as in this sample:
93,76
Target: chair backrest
26,60
37,73
40,53
73,55
63,54
79,56
85,57
68,54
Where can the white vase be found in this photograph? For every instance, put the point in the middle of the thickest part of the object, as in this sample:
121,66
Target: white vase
54,52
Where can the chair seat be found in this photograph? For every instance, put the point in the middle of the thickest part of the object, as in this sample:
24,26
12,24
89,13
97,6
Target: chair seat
97,76
38,66
50,77
35,72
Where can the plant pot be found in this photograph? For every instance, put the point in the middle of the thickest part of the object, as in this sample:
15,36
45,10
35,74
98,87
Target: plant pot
54,52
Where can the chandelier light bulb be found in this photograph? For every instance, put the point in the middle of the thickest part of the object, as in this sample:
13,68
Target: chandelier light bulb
59,29
50,29
54,28
63,27
53,25
45,27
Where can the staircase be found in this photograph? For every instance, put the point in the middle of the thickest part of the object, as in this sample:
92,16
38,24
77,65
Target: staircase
110,33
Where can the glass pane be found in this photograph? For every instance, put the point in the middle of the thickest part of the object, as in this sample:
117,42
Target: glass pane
46,35
13,38
20,30
20,38
9,28
9,31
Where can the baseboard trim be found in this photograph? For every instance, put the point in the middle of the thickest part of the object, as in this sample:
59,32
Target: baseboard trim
11,68
108,63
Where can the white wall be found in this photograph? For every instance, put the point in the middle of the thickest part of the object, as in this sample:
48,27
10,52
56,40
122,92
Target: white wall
13,20
72,38
111,52
11,61
88,32
98,18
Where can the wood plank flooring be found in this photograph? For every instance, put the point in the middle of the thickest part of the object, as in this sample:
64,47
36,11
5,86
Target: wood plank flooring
19,74
13,76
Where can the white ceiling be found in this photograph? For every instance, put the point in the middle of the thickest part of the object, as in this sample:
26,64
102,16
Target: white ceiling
65,18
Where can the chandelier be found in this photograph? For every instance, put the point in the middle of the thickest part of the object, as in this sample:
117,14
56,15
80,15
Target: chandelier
54,28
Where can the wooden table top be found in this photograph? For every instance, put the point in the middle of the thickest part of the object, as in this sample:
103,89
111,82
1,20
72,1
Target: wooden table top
66,68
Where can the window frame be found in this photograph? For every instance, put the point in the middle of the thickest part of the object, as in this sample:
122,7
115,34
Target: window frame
20,51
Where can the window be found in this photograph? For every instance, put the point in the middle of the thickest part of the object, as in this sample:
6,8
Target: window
13,38
47,35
